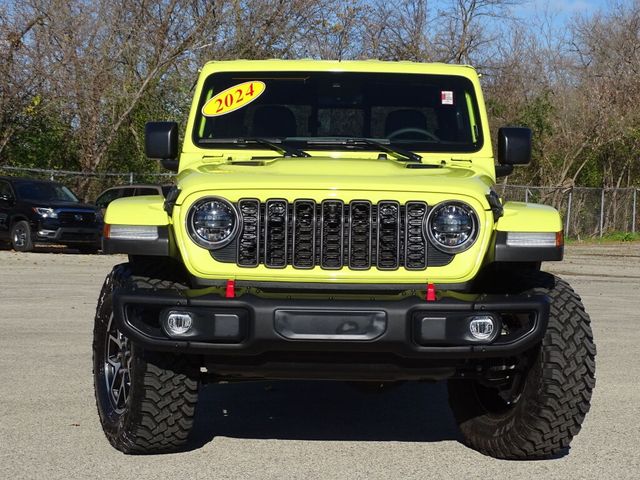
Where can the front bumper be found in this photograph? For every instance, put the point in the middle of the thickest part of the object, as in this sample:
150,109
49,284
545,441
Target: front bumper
248,328
44,233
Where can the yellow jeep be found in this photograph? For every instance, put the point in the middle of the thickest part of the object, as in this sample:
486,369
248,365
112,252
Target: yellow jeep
337,220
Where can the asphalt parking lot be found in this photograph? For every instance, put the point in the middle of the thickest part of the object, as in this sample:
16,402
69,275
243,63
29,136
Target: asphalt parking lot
49,427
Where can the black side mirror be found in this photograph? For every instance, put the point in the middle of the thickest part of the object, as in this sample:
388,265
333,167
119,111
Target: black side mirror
514,146
161,143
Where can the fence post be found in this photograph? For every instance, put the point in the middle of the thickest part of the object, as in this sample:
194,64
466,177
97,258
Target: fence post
601,212
526,195
131,178
567,225
633,219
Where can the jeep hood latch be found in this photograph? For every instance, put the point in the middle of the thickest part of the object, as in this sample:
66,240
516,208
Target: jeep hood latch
496,206
170,200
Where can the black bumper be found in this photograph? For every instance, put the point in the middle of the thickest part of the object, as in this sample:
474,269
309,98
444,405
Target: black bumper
67,235
237,329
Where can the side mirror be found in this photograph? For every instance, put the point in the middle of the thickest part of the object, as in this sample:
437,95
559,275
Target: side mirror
6,199
161,143
514,146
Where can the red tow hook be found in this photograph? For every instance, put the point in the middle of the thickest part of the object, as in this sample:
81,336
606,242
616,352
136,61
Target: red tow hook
231,289
431,292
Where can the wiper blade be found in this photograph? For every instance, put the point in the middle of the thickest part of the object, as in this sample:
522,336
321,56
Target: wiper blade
399,153
395,151
283,150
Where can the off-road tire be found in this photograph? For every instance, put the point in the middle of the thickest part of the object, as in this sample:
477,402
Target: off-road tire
555,395
160,406
22,229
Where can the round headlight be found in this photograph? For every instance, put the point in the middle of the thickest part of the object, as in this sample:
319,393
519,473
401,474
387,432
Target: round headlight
212,222
452,227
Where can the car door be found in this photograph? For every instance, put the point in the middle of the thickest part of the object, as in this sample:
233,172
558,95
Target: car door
7,201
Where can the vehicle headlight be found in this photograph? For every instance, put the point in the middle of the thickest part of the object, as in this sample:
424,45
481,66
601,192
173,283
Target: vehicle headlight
46,212
452,227
212,222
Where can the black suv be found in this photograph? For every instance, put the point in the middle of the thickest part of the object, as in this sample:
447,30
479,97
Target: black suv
36,211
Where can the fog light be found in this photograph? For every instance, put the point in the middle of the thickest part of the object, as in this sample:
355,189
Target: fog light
179,323
46,233
482,327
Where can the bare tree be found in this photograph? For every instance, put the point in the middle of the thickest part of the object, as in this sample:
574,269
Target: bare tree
19,79
468,27
102,57
608,47
398,30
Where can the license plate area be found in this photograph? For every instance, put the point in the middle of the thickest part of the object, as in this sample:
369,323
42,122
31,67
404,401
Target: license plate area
343,325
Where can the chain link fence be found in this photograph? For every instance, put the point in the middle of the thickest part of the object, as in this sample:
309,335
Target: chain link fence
587,212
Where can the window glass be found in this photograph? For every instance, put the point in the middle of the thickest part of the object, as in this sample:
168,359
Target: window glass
107,197
416,112
5,190
44,191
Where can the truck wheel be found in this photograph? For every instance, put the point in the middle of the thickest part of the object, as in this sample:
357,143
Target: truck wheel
146,400
21,237
548,405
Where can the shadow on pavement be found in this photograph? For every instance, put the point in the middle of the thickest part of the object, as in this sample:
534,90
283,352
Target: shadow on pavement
303,410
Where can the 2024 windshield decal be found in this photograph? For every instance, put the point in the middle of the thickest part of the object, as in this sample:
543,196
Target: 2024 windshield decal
233,98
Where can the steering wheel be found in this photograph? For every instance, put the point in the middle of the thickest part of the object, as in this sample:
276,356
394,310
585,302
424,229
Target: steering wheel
419,131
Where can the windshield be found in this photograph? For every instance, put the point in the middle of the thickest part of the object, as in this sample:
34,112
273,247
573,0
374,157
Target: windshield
44,192
425,113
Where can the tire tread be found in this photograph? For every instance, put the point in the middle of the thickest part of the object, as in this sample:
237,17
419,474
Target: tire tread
559,401
164,394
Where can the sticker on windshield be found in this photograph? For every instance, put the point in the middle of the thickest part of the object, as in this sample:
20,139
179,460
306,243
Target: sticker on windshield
446,97
233,98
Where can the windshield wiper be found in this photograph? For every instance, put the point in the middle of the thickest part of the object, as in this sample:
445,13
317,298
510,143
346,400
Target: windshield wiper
283,150
399,153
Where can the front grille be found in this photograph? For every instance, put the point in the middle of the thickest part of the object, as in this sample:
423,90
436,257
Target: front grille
76,218
331,234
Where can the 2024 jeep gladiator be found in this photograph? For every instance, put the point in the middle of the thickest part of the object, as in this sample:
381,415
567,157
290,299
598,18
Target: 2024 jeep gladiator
338,221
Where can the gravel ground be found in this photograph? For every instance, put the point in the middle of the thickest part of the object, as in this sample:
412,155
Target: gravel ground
49,426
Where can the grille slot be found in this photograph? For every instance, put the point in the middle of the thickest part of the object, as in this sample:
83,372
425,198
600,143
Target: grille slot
415,245
276,224
360,229
331,235
304,234
249,238
388,235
